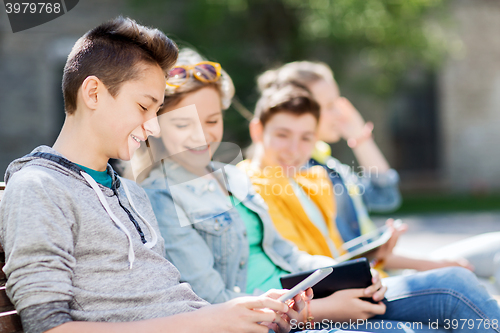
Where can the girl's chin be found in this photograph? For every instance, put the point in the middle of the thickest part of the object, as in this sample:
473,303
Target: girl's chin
193,162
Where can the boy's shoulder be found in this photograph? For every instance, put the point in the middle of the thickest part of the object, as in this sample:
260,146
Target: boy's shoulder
34,177
43,166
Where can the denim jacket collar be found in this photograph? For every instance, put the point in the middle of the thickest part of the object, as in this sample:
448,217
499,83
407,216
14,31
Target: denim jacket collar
234,180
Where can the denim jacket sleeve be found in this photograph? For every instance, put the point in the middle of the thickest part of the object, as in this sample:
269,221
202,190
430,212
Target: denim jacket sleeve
299,260
188,251
381,191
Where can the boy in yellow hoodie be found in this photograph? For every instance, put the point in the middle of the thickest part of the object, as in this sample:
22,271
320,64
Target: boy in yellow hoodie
300,200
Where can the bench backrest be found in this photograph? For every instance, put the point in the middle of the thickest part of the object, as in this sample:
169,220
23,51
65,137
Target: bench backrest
9,319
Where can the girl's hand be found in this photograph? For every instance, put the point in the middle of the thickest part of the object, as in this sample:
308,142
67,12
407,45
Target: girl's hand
376,291
345,305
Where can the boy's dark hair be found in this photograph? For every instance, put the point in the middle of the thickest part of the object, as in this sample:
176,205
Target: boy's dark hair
111,52
289,97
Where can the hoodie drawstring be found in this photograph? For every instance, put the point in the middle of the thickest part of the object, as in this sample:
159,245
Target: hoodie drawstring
119,224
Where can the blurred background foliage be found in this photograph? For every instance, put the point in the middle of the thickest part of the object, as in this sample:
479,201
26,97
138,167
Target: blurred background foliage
370,44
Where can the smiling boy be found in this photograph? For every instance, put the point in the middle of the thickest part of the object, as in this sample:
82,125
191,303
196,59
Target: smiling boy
83,250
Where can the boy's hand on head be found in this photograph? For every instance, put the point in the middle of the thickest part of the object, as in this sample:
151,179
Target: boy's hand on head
350,121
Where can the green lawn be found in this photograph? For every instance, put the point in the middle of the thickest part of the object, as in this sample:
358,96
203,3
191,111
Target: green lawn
413,203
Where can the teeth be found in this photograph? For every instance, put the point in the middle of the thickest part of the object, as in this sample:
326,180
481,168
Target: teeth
136,139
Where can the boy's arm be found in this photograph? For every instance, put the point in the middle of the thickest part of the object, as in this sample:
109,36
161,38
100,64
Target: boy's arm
38,241
188,251
394,261
381,190
239,315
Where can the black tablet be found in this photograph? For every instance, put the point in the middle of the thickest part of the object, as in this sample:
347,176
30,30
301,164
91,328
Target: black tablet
346,275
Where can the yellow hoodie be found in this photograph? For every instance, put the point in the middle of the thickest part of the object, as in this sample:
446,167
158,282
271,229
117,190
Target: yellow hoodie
286,211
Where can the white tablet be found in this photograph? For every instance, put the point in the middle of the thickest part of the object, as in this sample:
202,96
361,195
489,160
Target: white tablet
308,282
361,245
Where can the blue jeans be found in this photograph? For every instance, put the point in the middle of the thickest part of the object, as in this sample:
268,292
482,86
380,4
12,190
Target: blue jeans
441,300
449,298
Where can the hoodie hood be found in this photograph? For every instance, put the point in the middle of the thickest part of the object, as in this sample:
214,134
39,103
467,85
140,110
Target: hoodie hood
50,158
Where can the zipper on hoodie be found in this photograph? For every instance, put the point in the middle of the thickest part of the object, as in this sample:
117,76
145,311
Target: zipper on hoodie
131,217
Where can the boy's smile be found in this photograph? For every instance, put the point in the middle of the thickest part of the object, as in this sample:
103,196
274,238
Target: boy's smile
288,141
130,117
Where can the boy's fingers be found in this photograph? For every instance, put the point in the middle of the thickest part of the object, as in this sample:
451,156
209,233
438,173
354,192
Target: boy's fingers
291,314
375,276
275,293
379,295
298,302
283,323
377,284
369,291
309,294
370,308
376,309
265,302
354,293
263,315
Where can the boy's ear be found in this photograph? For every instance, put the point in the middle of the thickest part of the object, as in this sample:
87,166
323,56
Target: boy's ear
89,91
256,130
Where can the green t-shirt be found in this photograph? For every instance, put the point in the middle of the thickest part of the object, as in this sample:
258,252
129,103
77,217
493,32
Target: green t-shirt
263,274
101,177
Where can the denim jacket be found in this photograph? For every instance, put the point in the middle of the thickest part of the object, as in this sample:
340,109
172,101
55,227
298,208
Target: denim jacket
206,239
355,196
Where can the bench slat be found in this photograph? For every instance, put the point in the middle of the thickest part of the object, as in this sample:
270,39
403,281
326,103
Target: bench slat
4,299
10,322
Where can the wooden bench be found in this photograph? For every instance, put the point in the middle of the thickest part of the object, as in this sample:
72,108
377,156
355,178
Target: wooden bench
9,319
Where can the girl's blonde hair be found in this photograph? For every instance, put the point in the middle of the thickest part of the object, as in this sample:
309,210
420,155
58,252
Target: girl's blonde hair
224,85
301,72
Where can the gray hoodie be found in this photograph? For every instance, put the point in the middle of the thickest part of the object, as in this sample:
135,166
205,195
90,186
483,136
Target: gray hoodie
69,258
